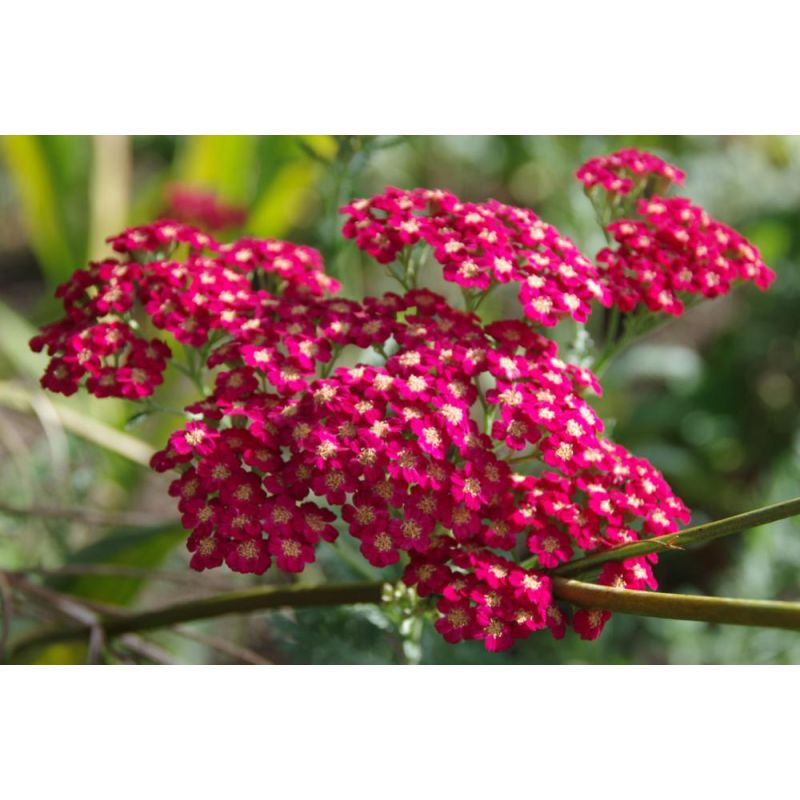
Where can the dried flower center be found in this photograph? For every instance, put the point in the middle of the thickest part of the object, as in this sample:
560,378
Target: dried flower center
281,515
453,414
458,618
326,449
383,542
207,546
243,492
564,451
365,515
431,436
290,548
248,549
334,480
411,530
220,472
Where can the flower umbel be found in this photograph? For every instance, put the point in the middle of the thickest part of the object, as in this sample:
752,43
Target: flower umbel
469,455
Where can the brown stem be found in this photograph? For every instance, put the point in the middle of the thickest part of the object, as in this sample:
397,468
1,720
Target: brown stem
585,595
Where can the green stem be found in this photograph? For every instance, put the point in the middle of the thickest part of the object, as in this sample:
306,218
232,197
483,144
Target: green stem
483,296
152,406
762,613
521,459
469,300
698,534
638,324
614,319
614,343
398,278
240,602
193,368
326,369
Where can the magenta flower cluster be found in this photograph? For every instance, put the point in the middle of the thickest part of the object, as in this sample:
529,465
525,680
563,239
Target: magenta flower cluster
480,245
627,171
466,453
675,250
175,279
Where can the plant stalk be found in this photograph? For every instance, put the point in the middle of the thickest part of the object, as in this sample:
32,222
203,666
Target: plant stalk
731,611
762,613
696,535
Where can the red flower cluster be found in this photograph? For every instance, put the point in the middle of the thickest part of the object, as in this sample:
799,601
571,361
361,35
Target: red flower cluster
396,455
627,170
676,249
99,342
413,448
480,245
205,209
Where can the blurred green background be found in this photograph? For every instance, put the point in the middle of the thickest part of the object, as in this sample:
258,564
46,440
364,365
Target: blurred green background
711,399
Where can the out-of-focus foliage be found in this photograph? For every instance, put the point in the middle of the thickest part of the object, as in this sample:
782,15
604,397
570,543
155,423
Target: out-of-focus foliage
711,398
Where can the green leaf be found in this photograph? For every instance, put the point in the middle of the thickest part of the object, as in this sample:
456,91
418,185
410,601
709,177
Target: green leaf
223,164
144,548
46,191
281,203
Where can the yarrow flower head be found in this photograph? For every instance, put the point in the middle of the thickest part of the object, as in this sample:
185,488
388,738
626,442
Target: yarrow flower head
416,457
480,245
629,170
396,453
664,249
674,250
194,295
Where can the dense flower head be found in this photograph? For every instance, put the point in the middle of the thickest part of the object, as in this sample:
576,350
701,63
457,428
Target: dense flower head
396,455
202,208
193,295
480,245
674,250
464,455
627,171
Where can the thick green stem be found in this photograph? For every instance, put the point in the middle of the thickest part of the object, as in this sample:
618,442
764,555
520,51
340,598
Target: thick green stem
240,602
585,595
698,534
762,613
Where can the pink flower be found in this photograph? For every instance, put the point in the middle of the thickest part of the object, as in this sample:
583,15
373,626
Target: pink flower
627,170
248,555
208,551
291,553
457,621
589,623
379,548
674,250
479,245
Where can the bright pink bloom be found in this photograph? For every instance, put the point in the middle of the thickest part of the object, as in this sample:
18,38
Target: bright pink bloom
627,170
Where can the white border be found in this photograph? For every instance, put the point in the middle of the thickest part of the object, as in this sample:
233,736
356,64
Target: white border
417,66
375,732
